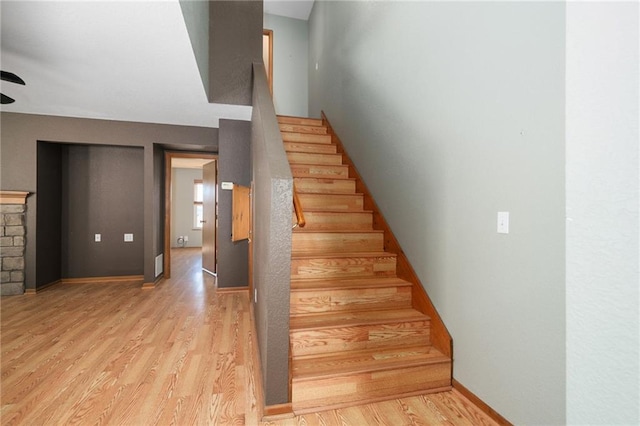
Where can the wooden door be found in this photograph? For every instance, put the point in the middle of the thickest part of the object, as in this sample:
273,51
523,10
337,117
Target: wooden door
209,214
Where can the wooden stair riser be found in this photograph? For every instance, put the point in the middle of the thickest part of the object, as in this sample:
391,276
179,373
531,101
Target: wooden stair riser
306,138
310,147
325,186
330,221
353,265
300,128
336,242
302,121
332,300
358,337
345,202
313,158
369,386
320,171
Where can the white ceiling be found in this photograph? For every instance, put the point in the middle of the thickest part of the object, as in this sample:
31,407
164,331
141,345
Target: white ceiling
116,60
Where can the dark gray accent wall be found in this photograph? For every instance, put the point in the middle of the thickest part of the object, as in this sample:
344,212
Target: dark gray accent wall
158,201
235,42
102,193
20,133
49,214
234,166
272,204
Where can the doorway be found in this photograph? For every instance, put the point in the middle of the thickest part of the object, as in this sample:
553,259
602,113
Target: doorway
194,204
267,56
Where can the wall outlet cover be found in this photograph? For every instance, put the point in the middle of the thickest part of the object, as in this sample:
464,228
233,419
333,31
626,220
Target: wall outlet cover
503,222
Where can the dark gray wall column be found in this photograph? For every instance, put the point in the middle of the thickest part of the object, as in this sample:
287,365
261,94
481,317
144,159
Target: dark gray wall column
49,214
235,42
234,166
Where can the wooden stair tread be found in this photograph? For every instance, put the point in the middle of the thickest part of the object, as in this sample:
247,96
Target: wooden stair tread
299,230
323,179
340,255
305,147
306,138
344,283
333,171
303,128
344,185
312,367
289,119
320,165
355,318
315,158
330,194
337,211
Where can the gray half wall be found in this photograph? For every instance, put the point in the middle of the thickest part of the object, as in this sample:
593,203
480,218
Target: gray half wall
272,204
234,166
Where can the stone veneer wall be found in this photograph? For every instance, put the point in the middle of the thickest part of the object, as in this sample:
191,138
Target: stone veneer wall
12,245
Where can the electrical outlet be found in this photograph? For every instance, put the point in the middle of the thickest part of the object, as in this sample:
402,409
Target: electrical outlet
186,238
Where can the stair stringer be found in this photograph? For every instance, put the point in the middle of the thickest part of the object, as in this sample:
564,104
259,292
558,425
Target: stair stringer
440,336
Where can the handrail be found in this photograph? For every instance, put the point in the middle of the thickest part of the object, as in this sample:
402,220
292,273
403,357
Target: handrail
297,206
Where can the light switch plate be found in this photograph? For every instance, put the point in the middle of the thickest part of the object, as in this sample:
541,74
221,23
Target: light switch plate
98,238
503,222
227,185
128,238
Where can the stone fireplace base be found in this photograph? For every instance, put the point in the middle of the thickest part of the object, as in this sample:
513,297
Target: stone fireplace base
12,241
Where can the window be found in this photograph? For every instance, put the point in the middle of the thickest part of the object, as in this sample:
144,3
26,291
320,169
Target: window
197,204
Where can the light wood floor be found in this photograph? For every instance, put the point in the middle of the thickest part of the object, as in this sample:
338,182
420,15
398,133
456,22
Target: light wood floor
181,354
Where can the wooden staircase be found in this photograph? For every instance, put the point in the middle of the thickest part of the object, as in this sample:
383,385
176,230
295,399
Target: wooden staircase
355,335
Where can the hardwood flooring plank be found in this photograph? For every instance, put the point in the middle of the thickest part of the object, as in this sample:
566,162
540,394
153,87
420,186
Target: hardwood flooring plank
179,354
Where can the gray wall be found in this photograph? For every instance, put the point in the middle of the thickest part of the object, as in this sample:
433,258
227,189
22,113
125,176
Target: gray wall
290,62
49,214
158,200
235,42
234,166
18,168
102,193
273,198
603,183
182,207
453,112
